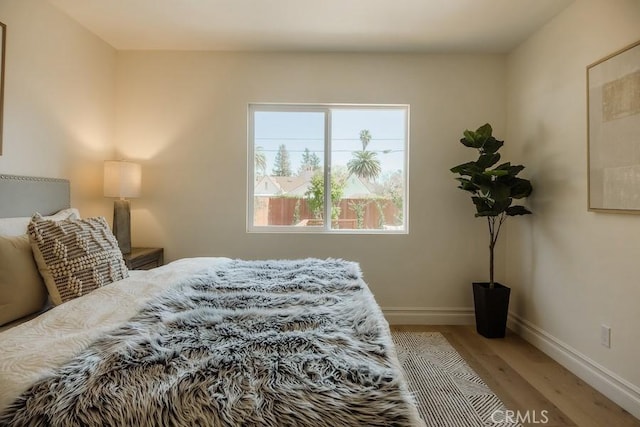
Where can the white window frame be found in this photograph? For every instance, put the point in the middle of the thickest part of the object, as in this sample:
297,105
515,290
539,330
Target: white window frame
326,109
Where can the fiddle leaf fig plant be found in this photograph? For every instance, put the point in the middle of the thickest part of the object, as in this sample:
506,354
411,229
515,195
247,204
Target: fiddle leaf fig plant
493,188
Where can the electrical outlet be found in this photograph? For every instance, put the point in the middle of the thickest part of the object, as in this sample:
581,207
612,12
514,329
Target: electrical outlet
605,336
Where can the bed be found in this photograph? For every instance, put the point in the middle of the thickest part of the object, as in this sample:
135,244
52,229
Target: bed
199,341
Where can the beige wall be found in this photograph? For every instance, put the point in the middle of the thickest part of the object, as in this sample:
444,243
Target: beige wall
184,116
572,270
59,100
71,102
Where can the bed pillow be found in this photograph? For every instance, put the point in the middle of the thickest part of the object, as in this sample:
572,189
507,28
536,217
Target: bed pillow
18,226
75,256
22,291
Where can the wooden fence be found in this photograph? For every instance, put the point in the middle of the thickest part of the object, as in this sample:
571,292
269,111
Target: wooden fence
295,211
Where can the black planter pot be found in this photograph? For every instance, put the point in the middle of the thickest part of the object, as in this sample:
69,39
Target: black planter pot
492,306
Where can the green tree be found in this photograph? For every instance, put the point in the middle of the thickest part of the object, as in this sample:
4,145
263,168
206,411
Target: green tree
310,162
282,165
315,195
359,209
392,189
296,212
381,218
365,164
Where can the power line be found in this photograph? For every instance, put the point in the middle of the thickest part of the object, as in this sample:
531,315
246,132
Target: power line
322,139
333,151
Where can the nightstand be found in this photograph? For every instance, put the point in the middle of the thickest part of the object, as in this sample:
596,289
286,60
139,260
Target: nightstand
144,258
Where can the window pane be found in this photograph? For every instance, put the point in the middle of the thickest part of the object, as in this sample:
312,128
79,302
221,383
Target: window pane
368,168
288,168
368,151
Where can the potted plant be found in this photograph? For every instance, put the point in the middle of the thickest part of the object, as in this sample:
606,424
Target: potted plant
493,190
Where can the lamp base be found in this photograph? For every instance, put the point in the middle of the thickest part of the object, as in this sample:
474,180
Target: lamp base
122,225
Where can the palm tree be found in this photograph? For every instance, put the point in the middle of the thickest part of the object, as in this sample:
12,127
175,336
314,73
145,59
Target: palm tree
365,138
365,164
260,161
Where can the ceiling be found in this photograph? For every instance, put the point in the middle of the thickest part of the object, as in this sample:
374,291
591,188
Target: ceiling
483,26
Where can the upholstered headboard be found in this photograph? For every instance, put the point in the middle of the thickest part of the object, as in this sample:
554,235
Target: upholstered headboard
21,196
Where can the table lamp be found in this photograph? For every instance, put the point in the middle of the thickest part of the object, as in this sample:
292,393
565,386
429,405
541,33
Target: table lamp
122,179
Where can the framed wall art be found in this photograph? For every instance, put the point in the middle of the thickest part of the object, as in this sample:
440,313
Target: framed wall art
613,131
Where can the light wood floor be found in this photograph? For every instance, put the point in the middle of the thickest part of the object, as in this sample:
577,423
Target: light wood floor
526,379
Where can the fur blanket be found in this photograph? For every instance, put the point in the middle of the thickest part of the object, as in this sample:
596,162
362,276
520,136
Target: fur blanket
258,343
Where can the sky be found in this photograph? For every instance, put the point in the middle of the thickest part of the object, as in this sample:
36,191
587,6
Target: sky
305,129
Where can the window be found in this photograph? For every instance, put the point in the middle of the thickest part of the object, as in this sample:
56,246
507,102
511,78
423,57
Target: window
328,168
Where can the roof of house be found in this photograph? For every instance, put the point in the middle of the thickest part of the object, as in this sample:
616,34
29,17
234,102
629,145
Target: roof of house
355,187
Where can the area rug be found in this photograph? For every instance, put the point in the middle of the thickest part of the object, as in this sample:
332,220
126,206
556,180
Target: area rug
448,392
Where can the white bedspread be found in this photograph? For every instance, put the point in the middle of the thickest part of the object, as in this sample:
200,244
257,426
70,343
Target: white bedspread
32,349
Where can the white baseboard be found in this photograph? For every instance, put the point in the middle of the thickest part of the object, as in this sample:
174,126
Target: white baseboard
618,389
428,316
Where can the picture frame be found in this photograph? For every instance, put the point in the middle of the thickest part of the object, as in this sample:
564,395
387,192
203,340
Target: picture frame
3,47
613,132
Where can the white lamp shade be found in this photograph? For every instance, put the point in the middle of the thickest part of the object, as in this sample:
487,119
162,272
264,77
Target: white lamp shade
122,179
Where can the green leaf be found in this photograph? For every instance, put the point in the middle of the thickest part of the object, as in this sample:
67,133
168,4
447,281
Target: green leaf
517,210
469,139
487,160
499,192
491,145
481,180
520,188
481,205
486,206
515,170
466,185
484,131
471,190
466,168
496,172
501,205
